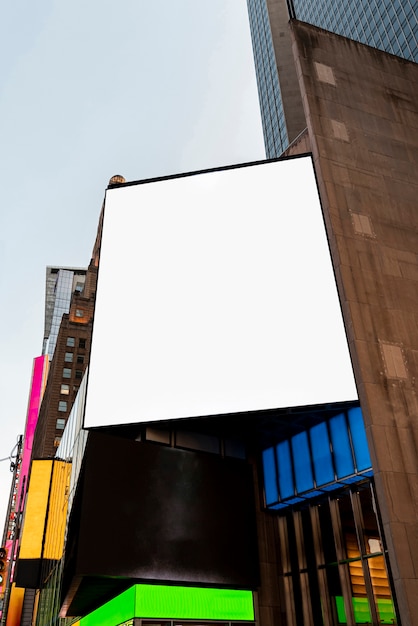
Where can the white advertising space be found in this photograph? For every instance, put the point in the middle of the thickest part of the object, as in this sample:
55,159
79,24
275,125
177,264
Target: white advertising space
216,295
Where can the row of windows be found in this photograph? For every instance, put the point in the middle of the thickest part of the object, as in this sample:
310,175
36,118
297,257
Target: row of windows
67,371
69,356
63,406
71,342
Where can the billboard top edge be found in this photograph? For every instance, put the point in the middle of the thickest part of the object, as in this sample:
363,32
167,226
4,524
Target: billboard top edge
221,168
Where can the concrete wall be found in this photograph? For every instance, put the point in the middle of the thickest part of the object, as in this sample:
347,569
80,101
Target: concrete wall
362,118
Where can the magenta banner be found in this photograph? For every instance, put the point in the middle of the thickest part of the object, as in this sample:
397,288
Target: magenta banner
35,397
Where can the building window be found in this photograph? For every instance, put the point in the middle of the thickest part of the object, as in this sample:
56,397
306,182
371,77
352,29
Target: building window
68,357
81,343
65,389
66,372
79,374
80,358
355,558
70,342
60,425
62,406
79,313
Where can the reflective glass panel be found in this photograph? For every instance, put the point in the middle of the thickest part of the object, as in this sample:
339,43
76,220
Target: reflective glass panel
341,446
284,463
270,482
321,453
302,462
358,437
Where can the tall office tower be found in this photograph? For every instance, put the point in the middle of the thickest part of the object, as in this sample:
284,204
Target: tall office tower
386,25
68,323
61,283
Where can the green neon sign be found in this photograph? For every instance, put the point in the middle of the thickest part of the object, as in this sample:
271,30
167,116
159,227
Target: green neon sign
172,602
362,613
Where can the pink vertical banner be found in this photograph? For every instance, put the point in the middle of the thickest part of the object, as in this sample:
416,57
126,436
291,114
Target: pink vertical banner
39,372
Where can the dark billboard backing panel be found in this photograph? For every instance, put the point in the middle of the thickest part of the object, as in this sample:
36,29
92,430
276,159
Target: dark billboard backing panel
146,512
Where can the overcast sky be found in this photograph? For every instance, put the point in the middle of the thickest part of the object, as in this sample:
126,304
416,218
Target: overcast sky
89,90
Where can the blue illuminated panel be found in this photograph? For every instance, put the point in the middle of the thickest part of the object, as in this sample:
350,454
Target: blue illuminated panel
270,476
284,462
317,460
321,453
344,462
302,462
358,437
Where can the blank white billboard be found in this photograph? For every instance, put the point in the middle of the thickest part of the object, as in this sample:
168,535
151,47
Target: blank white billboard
216,295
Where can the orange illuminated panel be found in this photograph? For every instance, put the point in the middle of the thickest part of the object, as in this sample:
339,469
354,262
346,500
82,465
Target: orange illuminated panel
44,522
57,513
14,611
36,508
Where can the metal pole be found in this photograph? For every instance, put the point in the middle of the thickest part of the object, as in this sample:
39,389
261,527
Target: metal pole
291,9
13,508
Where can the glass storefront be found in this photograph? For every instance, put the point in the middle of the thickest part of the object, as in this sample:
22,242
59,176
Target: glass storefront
334,570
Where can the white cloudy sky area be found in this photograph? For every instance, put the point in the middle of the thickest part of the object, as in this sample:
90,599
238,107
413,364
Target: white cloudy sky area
88,90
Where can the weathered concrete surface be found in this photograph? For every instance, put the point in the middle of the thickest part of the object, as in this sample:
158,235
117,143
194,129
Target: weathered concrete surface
362,118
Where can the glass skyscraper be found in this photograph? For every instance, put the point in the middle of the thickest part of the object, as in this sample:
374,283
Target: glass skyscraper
388,25
274,124
61,283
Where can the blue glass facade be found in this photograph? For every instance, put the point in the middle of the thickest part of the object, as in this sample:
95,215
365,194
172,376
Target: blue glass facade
389,25
320,459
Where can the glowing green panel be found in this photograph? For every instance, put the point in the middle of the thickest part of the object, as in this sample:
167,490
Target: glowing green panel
362,611
193,603
386,611
149,601
339,602
118,610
